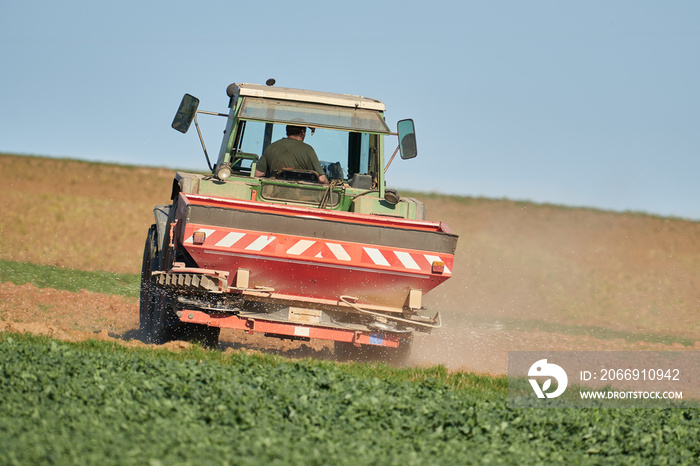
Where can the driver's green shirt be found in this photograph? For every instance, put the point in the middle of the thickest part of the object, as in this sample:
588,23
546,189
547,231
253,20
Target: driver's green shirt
289,153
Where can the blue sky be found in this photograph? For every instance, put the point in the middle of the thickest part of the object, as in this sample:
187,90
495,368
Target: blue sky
591,103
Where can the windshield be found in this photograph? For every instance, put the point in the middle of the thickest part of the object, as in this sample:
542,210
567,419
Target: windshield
341,153
316,115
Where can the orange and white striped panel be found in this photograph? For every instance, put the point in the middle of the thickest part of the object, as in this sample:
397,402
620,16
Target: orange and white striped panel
314,249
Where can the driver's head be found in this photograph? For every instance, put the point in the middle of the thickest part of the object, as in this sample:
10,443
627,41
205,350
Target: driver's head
296,130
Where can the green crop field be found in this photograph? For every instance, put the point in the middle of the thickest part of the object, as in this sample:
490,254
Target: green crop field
100,403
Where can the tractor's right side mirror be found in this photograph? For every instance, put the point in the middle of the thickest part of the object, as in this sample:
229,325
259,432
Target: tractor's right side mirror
407,139
185,113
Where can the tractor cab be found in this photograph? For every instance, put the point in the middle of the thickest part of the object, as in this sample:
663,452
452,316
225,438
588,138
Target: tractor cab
347,132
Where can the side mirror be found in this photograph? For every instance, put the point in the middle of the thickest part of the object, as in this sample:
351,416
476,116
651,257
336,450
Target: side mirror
185,113
407,139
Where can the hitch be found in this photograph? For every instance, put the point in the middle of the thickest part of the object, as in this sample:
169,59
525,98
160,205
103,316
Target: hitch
351,300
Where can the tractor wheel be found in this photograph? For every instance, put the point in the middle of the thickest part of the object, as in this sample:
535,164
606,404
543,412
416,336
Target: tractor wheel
147,301
157,319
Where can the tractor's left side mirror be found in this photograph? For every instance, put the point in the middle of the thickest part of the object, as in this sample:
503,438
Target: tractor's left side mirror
185,113
407,139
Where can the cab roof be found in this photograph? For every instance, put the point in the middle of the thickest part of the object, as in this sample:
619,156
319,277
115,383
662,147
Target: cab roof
300,95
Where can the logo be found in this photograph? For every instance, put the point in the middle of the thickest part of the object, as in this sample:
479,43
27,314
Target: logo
543,369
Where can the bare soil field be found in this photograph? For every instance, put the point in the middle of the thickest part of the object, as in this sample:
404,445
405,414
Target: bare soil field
526,277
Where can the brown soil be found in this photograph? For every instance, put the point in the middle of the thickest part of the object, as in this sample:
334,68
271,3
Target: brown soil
84,315
626,273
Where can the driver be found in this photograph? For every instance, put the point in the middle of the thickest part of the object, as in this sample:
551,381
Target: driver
290,152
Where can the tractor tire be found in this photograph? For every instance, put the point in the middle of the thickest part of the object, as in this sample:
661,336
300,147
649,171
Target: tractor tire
157,319
147,295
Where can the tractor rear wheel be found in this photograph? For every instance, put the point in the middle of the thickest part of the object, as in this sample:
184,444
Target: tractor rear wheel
147,298
157,319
